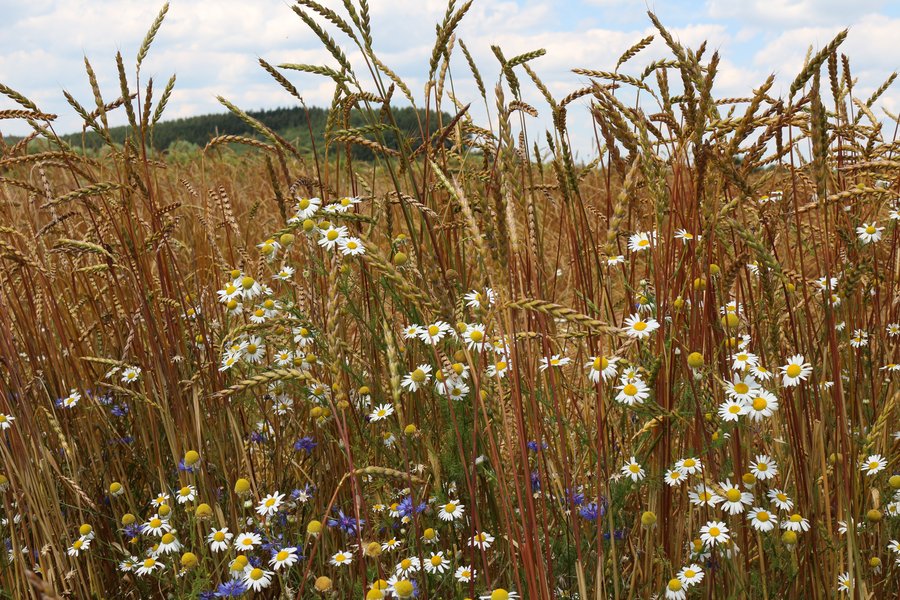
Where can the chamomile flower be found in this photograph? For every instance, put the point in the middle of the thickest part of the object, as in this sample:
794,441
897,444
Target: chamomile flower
873,465
333,236
258,579
860,338
408,566
474,336
893,329
284,558
186,494
675,590
435,332
637,327
436,563
795,371
416,378
761,519
351,246
464,574
633,469
762,405
641,241
632,392
869,232
270,505
149,566
131,374
612,261
714,532
733,499
383,411
391,544
155,526
284,273
341,558
743,361
481,540
796,523
732,410
602,366
684,235
6,421
412,331
168,544
689,466
760,373
845,584
690,575
246,542
219,539
451,511
703,495
780,499
71,400
763,467
498,369
742,389
554,361
500,594
305,208
476,299
78,546
674,477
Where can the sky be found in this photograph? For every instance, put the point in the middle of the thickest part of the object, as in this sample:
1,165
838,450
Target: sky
213,46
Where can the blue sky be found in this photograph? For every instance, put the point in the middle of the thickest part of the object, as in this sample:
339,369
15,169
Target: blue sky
212,45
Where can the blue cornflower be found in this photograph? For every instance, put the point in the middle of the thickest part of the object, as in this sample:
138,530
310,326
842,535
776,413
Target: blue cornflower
306,444
405,508
347,524
231,589
589,511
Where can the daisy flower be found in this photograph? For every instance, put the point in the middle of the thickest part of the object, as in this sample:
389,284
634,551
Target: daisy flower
498,369
258,579
762,405
219,539
703,495
499,594
845,584
305,208
6,421
763,467
247,541
633,469
435,332
482,540
761,519
761,373
186,494
451,511
155,526
78,546
714,532
168,543
675,477
795,522
148,566
612,261
633,392
873,465
689,466
285,557
780,499
733,499
743,361
408,566
476,299
351,246
636,327
131,374
341,558
285,273
641,241
732,410
464,574
795,371
690,575
412,332
869,232
391,544
601,366
554,361
684,235
436,563
416,378
741,389
675,590
860,338
383,411
333,236
71,400
270,505
474,337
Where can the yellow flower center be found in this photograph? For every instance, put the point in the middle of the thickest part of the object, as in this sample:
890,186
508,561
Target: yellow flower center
345,201
167,538
352,245
433,330
870,229
793,370
795,518
436,560
155,523
630,390
759,403
690,573
762,466
418,376
734,409
256,574
639,326
405,563
304,203
741,388
674,585
476,335
282,555
733,495
148,564
714,531
219,536
644,243
689,463
77,545
270,502
634,468
762,516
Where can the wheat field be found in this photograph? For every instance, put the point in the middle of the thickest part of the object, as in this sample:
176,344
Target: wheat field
472,367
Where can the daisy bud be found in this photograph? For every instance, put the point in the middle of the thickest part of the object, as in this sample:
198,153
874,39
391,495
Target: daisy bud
373,549
189,560
894,481
314,527
191,457
695,360
789,537
679,303
323,584
309,225
115,488
874,515
400,259
748,478
410,429
204,511
648,519
714,269
874,562
241,486
85,529
128,519
374,594
287,239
